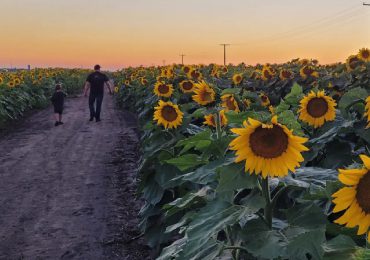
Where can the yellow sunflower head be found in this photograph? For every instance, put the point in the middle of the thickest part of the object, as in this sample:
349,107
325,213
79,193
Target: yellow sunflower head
168,114
308,71
211,121
285,74
229,103
304,62
203,93
268,149
116,89
355,198
17,81
352,62
265,101
224,70
267,73
317,108
1,80
144,81
11,84
194,74
237,78
367,111
127,82
364,54
162,89
187,86
186,69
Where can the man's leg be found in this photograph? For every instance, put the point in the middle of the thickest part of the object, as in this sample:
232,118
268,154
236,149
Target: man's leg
91,106
99,101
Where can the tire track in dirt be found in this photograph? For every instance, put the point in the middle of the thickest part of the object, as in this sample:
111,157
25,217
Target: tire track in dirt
59,192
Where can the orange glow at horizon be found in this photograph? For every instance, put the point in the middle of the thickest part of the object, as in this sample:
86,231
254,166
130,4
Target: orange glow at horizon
125,33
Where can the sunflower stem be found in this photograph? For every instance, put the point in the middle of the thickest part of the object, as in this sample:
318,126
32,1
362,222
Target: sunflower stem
218,125
268,207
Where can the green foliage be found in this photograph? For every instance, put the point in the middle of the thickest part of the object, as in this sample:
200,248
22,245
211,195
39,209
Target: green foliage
200,204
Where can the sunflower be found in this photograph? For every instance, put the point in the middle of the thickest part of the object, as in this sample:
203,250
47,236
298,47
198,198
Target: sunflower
229,103
168,114
204,94
237,78
186,69
285,74
210,119
17,81
144,81
308,71
317,108
194,74
364,54
267,73
1,80
224,69
352,62
116,89
355,199
187,86
11,84
162,89
367,111
304,62
268,149
127,82
265,101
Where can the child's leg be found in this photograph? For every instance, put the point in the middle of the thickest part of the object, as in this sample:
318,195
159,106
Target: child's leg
56,116
60,117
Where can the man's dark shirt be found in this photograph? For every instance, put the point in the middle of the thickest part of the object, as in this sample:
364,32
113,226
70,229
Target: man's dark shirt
97,80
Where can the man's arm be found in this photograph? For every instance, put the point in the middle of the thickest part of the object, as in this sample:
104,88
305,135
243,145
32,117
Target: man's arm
109,86
86,88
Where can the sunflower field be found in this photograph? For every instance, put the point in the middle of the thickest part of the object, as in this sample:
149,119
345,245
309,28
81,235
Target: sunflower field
254,162
23,90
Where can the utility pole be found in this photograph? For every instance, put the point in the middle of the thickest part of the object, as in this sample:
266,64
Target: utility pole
225,44
182,58
164,62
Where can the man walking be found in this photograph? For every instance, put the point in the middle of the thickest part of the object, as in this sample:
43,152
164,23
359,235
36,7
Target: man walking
96,82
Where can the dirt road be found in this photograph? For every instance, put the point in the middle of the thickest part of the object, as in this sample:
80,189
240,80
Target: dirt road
67,192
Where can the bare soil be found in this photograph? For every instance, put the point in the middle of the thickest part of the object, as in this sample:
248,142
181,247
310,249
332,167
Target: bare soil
68,192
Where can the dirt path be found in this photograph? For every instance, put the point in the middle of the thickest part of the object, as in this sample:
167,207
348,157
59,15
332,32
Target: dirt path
61,193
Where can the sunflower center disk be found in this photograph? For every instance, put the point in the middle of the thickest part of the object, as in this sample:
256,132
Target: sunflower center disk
207,96
307,71
187,85
163,89
363,194
317,107
268,142
169,113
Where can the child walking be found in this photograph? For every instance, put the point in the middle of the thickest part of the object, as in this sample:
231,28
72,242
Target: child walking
58,102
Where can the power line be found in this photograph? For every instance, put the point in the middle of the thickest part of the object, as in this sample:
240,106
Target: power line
224,44
312,26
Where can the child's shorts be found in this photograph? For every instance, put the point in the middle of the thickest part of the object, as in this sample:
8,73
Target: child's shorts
58,110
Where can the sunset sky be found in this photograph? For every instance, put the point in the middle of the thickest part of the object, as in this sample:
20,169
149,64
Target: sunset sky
118,33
